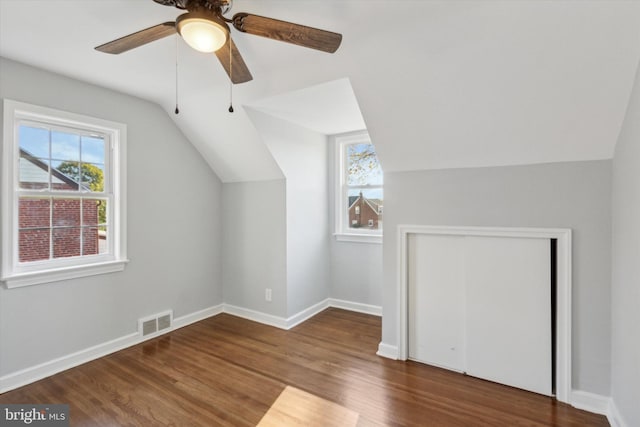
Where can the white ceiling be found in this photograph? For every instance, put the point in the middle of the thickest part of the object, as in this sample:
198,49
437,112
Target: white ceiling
329,108
440,84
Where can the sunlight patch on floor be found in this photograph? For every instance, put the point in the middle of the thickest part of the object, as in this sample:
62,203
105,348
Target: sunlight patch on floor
295,407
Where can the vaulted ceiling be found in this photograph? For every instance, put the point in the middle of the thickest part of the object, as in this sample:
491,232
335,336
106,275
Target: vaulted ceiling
438,84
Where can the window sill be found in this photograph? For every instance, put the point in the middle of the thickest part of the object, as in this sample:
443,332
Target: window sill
58,274
359,238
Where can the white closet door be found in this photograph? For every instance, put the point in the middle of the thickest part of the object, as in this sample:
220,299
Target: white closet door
508,311
436,300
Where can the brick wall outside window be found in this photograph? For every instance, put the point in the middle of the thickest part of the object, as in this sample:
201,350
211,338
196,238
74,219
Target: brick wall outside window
45,226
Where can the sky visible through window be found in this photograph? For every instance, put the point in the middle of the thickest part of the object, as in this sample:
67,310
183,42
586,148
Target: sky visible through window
363,168
58,146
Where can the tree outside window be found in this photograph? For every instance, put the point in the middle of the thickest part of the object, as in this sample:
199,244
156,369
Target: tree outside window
361,193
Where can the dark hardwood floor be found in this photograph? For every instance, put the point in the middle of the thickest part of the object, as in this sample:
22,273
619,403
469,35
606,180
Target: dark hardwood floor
229,371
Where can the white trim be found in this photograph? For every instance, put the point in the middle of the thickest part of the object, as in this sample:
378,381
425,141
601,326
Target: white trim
563,318
614,416
59,274
591,402
359,238
342,231
46,369
374,310
276,321
256,316
598,404
188,319
306,314
388,351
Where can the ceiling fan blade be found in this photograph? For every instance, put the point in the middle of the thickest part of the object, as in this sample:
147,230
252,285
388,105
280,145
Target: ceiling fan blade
234,65
139,38
301,35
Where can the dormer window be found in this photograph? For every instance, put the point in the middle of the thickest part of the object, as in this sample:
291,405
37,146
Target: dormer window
359,195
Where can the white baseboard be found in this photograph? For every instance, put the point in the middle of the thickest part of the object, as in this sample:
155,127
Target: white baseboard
256,316
615,417
296,319
307,313
29,375
46,369
388,351
591,402
182,321
598,404
374,310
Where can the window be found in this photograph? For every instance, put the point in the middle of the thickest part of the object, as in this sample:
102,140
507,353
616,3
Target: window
62,195
359,194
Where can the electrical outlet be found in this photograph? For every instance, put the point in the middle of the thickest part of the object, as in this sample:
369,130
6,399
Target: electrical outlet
267,294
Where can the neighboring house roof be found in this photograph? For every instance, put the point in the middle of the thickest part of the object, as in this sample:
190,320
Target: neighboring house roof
35,170
374,204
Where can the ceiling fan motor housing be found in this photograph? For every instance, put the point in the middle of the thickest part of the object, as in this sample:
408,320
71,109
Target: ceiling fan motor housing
221,6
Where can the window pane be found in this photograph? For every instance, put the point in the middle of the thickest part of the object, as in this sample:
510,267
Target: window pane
34,212
74,175
66,213
363,167
34,141
93,241
66,242
93,177
65,146
34,233
94,212
365,208
34,172
92,149
33,244
103,244
65,175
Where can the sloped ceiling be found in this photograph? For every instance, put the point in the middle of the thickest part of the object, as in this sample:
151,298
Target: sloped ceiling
440,84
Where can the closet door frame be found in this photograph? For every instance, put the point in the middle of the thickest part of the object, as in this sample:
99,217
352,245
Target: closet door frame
562,236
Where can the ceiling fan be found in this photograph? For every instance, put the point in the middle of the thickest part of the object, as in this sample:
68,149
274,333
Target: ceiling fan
204,28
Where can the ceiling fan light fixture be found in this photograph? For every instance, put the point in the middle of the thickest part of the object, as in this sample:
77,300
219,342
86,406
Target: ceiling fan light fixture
202,32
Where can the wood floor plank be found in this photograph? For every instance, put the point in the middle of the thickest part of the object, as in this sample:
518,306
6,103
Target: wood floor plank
295,407
227,371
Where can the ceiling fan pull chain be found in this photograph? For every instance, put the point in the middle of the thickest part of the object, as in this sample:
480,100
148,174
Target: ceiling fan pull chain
177,110
230,78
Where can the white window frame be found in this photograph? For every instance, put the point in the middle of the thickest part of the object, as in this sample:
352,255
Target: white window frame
15,274
342,230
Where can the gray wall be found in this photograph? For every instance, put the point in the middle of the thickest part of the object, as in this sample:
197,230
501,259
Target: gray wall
301,154
572,195
356,272
356,267
625,371
254,245
174,230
